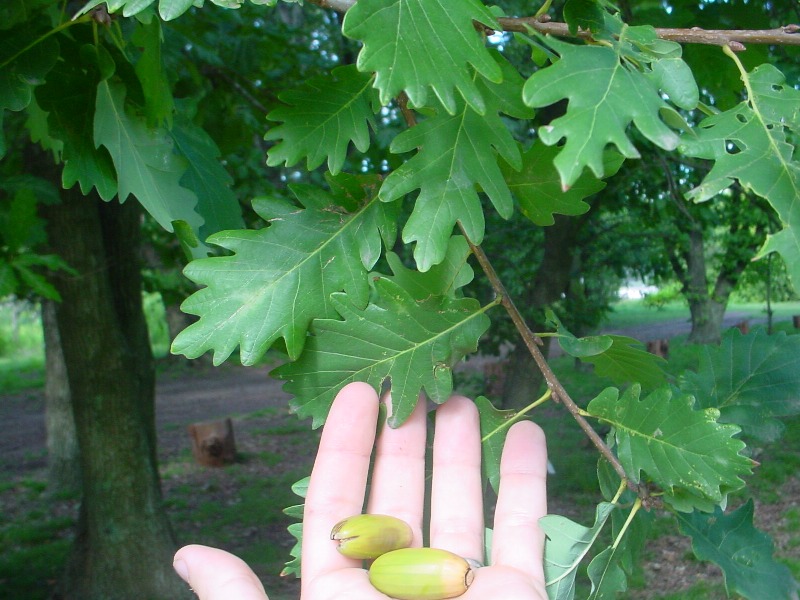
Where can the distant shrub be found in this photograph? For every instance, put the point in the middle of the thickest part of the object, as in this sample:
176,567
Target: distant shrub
665,295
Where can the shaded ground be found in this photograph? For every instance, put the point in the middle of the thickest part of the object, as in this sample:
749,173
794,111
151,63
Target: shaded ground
207,504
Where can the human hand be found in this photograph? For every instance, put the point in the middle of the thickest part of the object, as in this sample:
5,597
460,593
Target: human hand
338,485
339,480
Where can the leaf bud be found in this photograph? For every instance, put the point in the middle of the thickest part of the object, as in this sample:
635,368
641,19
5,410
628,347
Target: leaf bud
369,536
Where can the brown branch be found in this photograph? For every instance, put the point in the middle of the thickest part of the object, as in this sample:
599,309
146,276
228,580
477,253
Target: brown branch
216,72
788,35
532,342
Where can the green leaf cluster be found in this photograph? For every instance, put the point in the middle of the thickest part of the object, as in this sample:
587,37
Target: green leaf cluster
277,282
103,106
752,380
754,145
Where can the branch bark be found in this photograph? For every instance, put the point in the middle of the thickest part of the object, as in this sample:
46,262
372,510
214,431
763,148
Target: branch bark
532,342
787,35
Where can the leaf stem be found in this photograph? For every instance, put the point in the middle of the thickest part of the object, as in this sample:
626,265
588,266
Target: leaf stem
623,485
543,9
42,38
541,400
636,506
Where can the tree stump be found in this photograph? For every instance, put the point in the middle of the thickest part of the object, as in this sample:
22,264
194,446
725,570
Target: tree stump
659,347
796,321
213,444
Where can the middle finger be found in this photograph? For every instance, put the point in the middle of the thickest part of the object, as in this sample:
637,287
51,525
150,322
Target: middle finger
457,492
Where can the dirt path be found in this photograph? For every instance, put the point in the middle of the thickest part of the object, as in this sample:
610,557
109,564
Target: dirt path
186,396
204,393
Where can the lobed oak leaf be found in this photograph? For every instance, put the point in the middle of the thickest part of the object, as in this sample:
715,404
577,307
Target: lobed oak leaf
686,452
743,552
455,154
606,95
321,120
751,143
751,379
143,160
280,278
413,343
421,45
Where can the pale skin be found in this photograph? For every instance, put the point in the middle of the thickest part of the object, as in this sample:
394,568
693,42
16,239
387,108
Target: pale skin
337,490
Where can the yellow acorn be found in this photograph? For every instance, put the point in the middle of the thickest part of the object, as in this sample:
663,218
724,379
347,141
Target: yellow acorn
369,536
421,574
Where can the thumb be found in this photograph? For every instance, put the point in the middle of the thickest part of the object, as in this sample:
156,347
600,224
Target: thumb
217,575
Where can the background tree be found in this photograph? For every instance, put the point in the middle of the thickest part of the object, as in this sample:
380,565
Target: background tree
705,247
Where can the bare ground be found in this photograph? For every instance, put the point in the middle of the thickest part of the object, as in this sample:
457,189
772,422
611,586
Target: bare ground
257,405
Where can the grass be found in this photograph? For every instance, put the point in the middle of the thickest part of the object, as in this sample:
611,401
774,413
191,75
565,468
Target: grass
629,313
34,548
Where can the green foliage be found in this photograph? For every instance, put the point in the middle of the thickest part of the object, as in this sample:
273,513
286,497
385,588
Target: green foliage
752,144
605,95
438,330
167,9
123,111
23,272
607,577
743,552
494,427
625,361
300,488
143,160
538,188
415,46
22,71
273,273
686,452
324,116
753,380
567,545
457,151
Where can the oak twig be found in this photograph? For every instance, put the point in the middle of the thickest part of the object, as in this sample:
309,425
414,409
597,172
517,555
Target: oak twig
788,35
533,343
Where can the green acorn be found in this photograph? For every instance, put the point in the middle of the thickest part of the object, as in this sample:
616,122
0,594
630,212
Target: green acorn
421,574
369,536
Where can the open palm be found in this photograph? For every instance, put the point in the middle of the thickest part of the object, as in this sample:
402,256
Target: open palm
338,489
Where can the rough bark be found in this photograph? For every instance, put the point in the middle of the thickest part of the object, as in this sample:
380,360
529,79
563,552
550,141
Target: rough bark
63,466
124,544
707,307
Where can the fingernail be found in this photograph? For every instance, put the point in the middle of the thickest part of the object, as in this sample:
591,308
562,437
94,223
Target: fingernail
181,569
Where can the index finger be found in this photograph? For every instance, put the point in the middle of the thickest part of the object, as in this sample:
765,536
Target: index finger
339,477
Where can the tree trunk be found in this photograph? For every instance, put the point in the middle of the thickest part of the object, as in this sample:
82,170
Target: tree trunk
523,378
707,315
124,544
63,466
